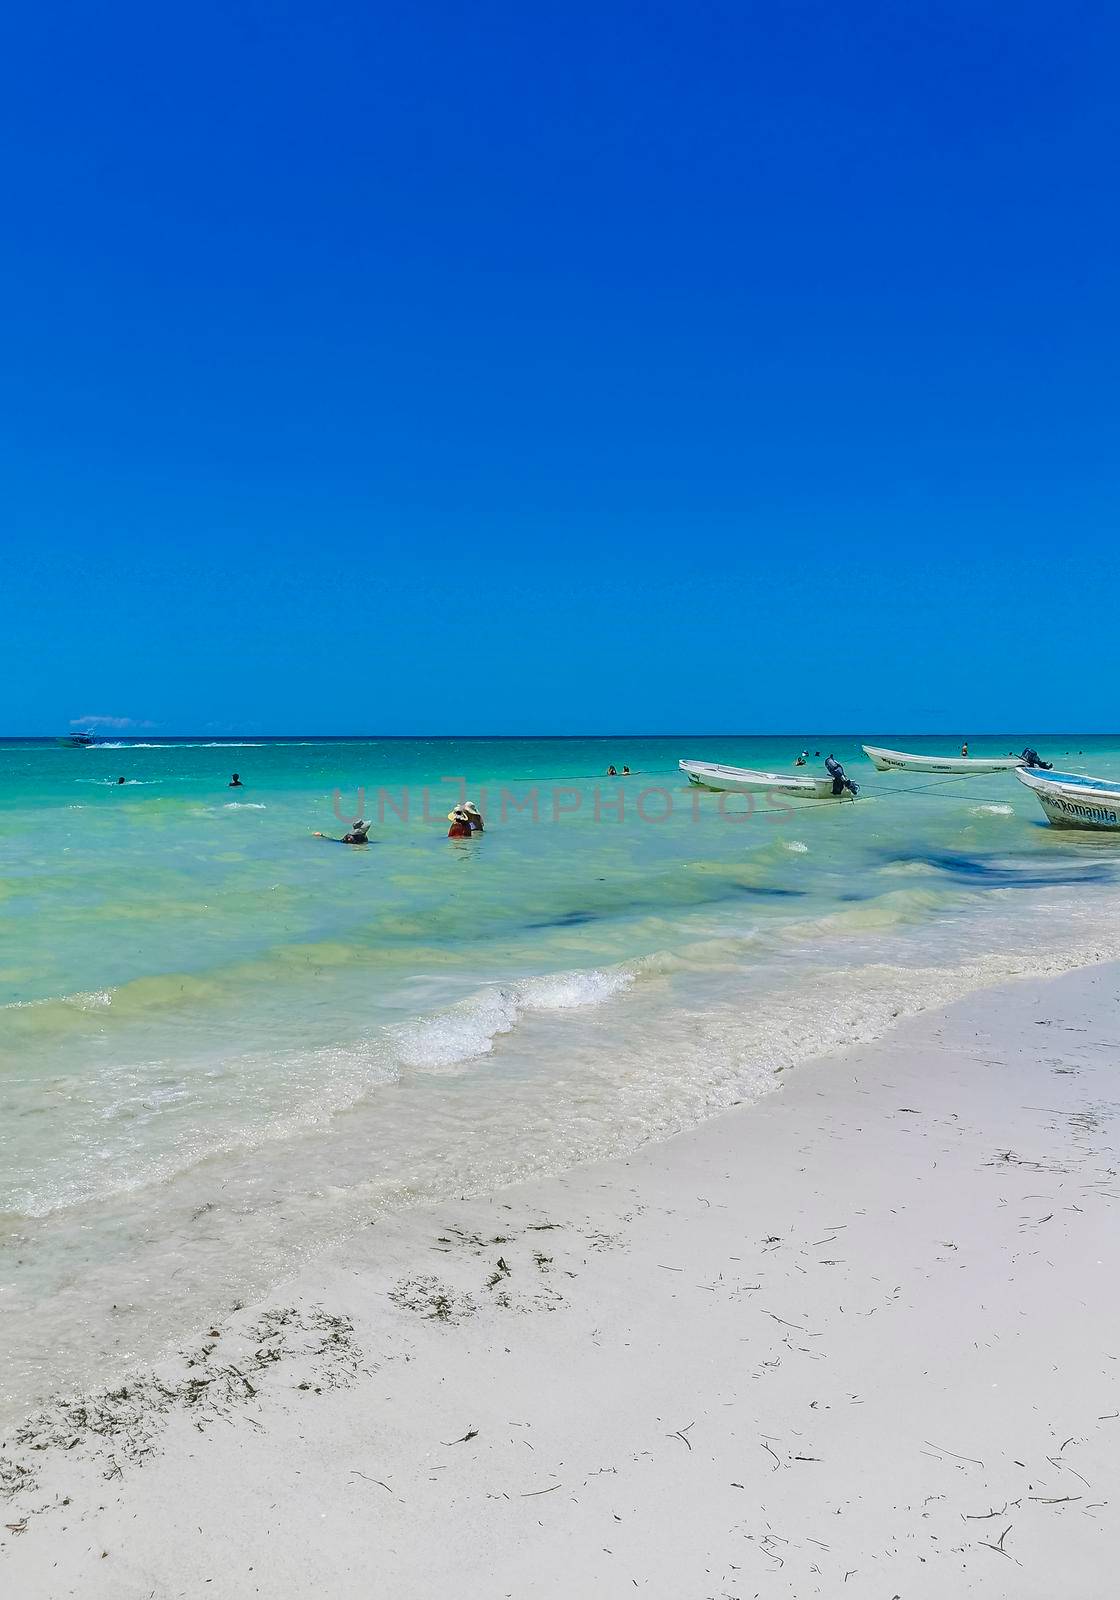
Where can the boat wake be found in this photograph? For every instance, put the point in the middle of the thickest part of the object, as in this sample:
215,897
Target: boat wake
210,744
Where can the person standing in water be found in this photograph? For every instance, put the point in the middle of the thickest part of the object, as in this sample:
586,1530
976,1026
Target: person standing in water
460,821
235,782
964,751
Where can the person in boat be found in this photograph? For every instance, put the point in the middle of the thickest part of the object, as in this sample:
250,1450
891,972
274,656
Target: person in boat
840,781
460,820
358,834
1032,758
474,816
235,782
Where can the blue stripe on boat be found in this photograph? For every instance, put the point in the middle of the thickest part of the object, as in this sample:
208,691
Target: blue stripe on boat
1076,780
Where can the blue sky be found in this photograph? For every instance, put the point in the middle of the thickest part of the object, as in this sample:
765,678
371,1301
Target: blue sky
595,367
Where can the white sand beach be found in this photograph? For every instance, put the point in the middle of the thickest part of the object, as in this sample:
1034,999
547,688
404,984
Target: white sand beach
859,1339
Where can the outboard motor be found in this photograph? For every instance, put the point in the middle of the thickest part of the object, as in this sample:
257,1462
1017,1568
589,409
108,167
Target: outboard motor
839,781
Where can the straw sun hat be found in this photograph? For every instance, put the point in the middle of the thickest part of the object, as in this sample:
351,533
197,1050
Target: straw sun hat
464,813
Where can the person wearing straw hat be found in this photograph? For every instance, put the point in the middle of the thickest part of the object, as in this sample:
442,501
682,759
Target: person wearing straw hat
460,823
359,834
474,816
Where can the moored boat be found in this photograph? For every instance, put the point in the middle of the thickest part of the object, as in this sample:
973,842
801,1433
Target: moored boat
746,780
78,739
960,766
1075,800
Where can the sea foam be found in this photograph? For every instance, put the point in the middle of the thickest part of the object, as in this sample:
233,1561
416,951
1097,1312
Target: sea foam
468,1030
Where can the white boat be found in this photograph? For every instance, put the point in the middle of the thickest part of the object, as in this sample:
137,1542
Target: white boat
745,780
81,739
1074,800
960,766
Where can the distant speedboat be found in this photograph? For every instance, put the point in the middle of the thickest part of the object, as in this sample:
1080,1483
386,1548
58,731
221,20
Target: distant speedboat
1074,800
962,766
745,780
78,739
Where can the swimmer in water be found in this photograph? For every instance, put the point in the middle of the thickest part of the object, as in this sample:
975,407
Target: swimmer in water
460,820
235,782
359,834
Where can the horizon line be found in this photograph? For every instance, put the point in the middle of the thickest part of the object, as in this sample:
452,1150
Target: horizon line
795,734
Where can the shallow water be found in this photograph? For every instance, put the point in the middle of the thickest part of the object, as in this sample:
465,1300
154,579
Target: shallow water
225,1043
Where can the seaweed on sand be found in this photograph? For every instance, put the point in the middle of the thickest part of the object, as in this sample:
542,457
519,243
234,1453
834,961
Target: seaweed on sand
122,1426
430,1298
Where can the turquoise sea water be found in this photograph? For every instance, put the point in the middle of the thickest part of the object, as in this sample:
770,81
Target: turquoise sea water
225,1043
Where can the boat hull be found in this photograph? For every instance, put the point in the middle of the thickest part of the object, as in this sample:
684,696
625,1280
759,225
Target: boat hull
745,780
1072,800
958,766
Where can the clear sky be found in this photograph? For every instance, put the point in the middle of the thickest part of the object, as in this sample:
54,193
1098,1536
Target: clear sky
515,367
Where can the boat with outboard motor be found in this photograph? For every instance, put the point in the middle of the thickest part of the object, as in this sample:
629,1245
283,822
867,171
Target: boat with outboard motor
78,739
1075,800
959,766
746,780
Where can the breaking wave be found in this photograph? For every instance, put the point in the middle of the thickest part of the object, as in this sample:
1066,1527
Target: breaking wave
468,1030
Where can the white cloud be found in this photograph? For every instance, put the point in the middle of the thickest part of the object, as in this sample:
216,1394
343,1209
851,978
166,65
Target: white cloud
118,723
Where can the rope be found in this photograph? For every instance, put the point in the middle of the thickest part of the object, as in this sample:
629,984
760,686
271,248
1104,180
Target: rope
765,811
924,789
